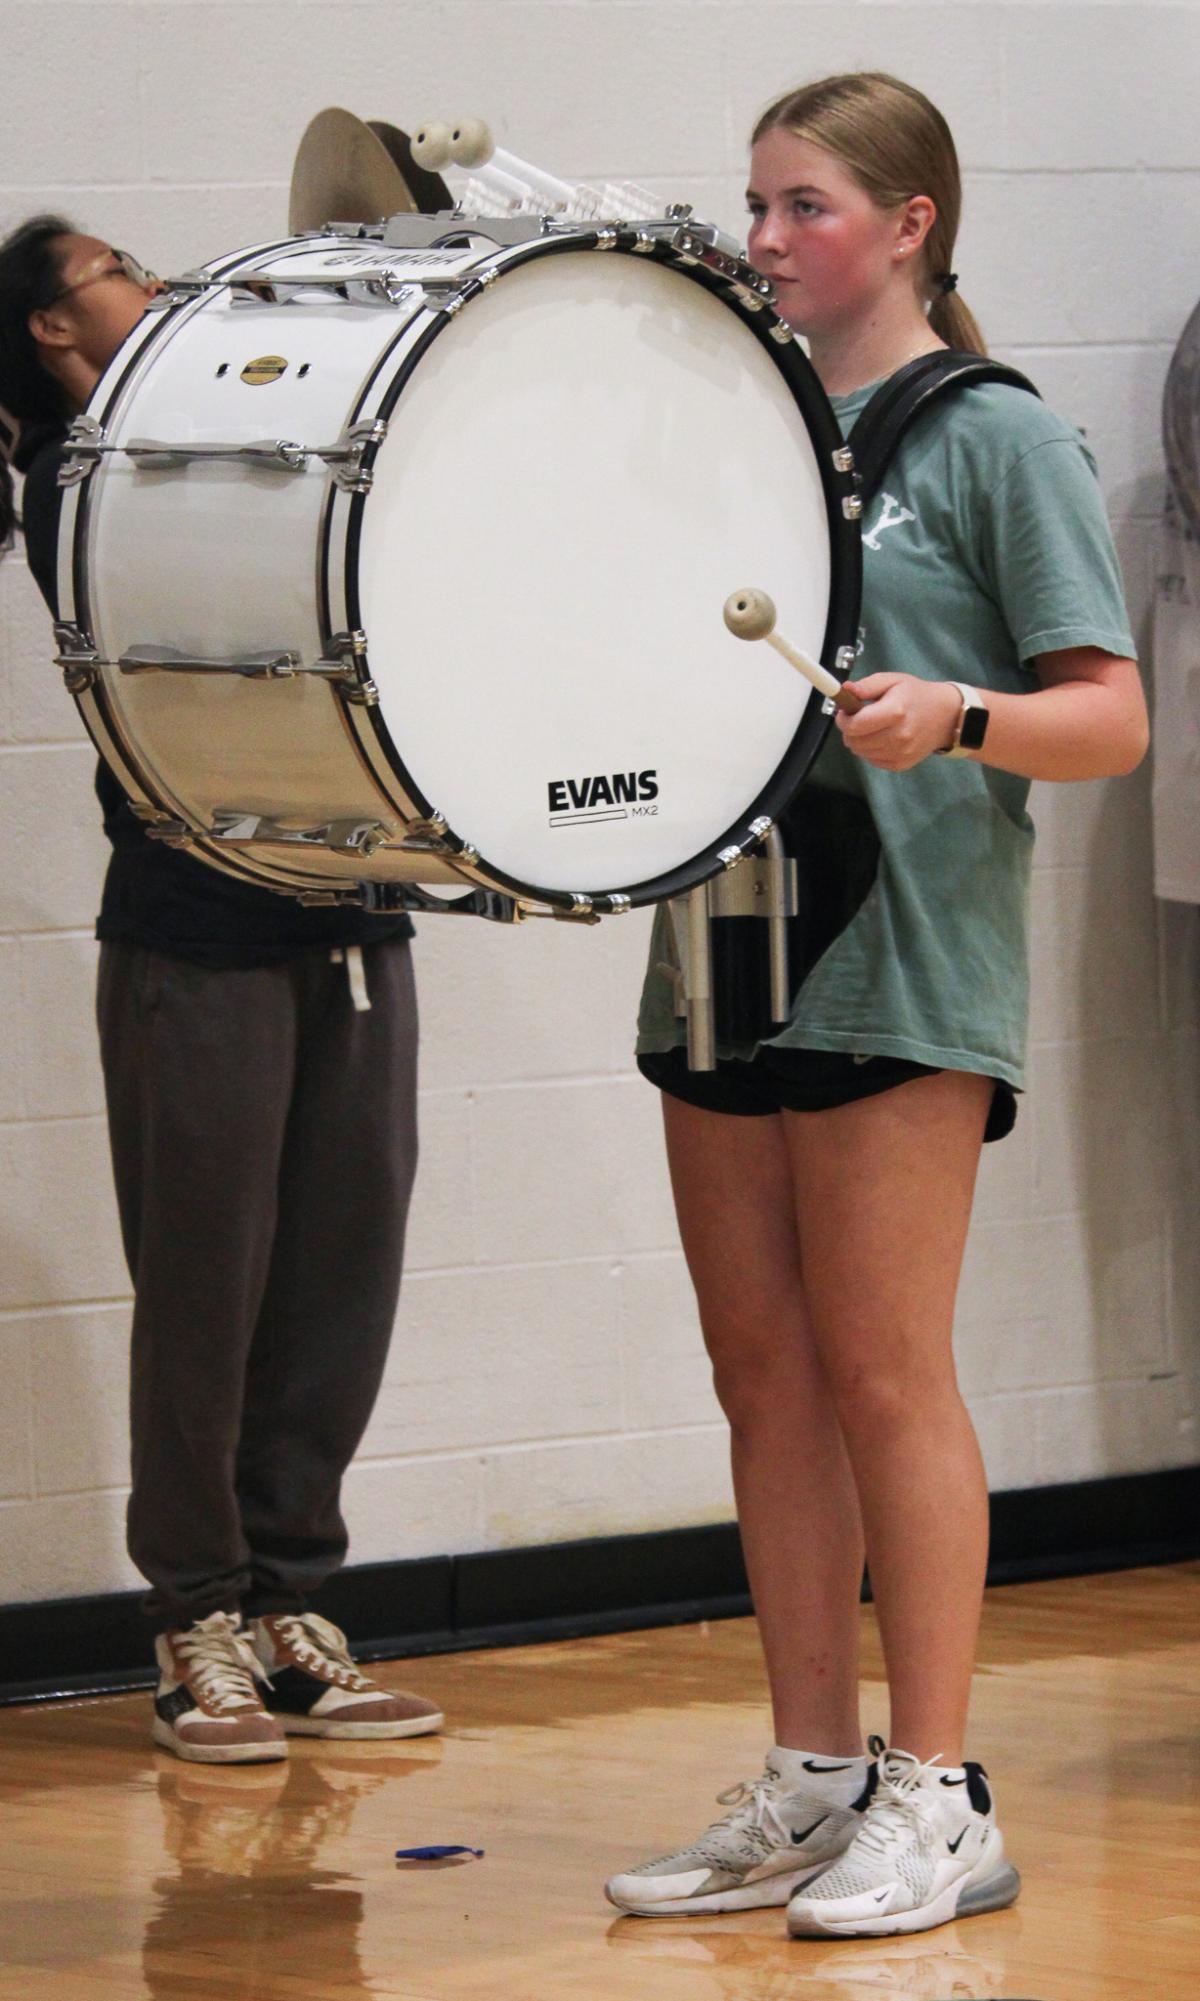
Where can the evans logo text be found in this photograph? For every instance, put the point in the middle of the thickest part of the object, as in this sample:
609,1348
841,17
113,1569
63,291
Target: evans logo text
607,796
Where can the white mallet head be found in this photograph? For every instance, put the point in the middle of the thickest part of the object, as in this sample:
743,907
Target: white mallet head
471,143
431,146
750,614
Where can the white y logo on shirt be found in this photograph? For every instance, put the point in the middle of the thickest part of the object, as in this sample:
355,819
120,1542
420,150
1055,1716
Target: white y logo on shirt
891,515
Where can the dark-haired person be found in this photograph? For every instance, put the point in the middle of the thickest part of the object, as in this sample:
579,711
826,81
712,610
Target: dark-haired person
823,1178
260,1074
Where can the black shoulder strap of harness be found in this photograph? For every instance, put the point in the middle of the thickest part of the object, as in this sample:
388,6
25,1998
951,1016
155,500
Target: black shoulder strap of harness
904,396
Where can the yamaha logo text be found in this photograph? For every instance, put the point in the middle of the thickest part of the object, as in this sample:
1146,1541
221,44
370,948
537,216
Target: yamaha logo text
616,795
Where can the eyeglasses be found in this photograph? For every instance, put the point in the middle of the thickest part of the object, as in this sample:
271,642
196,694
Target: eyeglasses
125,266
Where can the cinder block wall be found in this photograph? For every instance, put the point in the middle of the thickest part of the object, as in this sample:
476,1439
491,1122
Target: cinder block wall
547,1378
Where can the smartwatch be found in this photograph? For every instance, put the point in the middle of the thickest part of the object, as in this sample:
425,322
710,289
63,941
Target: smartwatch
971,728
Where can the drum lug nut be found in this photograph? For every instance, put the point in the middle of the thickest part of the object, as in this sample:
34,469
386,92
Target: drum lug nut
843,459
852,507
730,857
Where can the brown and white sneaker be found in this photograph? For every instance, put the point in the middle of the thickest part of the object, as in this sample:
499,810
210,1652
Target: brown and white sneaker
207,1706
315,1690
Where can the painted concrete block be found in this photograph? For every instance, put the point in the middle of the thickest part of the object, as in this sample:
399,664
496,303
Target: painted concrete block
71,55
1064,66
500,1356
55,853
570,1171
423,1507
502,1003
58,1237
16,1413
1094,954
65,1547
440,1220
667,1374
57,1034
80,1368
12,1077
559,1493
1103,1123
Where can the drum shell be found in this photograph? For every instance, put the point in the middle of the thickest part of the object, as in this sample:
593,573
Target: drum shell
242,560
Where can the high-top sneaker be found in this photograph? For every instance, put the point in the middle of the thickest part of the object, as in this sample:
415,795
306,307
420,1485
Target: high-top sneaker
315,1690
927,1849
780,1830
207,1707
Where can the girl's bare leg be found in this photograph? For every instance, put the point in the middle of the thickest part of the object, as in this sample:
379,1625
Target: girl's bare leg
883,1194
796,1502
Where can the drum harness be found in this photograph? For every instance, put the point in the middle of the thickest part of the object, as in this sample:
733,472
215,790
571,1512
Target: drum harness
755,998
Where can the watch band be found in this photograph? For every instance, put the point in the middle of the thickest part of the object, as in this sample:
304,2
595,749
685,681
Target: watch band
971,728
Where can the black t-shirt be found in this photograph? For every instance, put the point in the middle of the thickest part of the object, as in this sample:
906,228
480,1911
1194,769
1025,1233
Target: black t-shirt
160,896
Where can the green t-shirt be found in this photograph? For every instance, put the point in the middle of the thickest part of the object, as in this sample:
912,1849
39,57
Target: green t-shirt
988,544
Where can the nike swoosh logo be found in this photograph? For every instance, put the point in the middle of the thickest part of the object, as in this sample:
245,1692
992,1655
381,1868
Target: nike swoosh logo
798,1838
954,1782
811,1766
954,1846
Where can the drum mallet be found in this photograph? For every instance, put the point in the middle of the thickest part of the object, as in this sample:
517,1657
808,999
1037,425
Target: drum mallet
750,614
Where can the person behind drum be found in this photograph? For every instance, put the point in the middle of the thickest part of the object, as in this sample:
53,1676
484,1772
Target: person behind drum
260,1073
823,1179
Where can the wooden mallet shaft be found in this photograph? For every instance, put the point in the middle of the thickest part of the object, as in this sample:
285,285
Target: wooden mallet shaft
750,614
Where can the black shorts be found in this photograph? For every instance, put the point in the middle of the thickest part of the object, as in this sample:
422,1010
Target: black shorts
800,1080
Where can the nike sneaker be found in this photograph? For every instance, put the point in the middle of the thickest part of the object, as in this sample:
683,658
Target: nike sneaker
779,1831
926,1849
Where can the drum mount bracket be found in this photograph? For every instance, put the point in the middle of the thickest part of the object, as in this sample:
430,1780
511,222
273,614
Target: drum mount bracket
759,885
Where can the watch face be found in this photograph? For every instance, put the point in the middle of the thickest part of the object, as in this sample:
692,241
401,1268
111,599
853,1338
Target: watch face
974,729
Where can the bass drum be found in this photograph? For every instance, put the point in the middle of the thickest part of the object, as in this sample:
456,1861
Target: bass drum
385,566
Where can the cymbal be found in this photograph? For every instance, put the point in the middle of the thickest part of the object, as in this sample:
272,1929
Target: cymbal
345,173
429,190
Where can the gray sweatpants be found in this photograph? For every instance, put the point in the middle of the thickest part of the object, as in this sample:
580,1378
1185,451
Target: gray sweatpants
263,1139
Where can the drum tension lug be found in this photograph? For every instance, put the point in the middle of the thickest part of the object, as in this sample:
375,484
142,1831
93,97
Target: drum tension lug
173,833
85,446
234,829
78,658
581,911
428,836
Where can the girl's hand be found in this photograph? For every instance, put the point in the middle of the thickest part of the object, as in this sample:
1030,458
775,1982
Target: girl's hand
902,720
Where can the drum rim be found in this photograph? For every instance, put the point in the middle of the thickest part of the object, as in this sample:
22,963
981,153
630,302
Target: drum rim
845,560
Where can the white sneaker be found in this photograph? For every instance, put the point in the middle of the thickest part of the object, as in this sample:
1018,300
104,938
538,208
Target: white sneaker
926,1850
207,1707
774,1837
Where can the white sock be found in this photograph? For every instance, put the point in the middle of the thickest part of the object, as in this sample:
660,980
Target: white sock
838,1779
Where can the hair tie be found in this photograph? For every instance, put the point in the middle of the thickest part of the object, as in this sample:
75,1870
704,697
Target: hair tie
948,282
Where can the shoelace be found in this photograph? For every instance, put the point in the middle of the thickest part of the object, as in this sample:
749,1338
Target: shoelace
899,1806
221,1662
317,1642
752,1811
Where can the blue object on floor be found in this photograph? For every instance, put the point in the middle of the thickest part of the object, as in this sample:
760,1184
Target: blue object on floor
437,1854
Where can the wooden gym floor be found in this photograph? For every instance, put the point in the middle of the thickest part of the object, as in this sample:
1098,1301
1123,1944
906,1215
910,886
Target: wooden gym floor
125,1873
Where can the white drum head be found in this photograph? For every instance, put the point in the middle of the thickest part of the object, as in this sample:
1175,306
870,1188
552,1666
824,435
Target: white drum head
611,452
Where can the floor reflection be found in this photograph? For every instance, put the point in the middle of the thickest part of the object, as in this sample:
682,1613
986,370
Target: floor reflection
246,1900
747,1958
